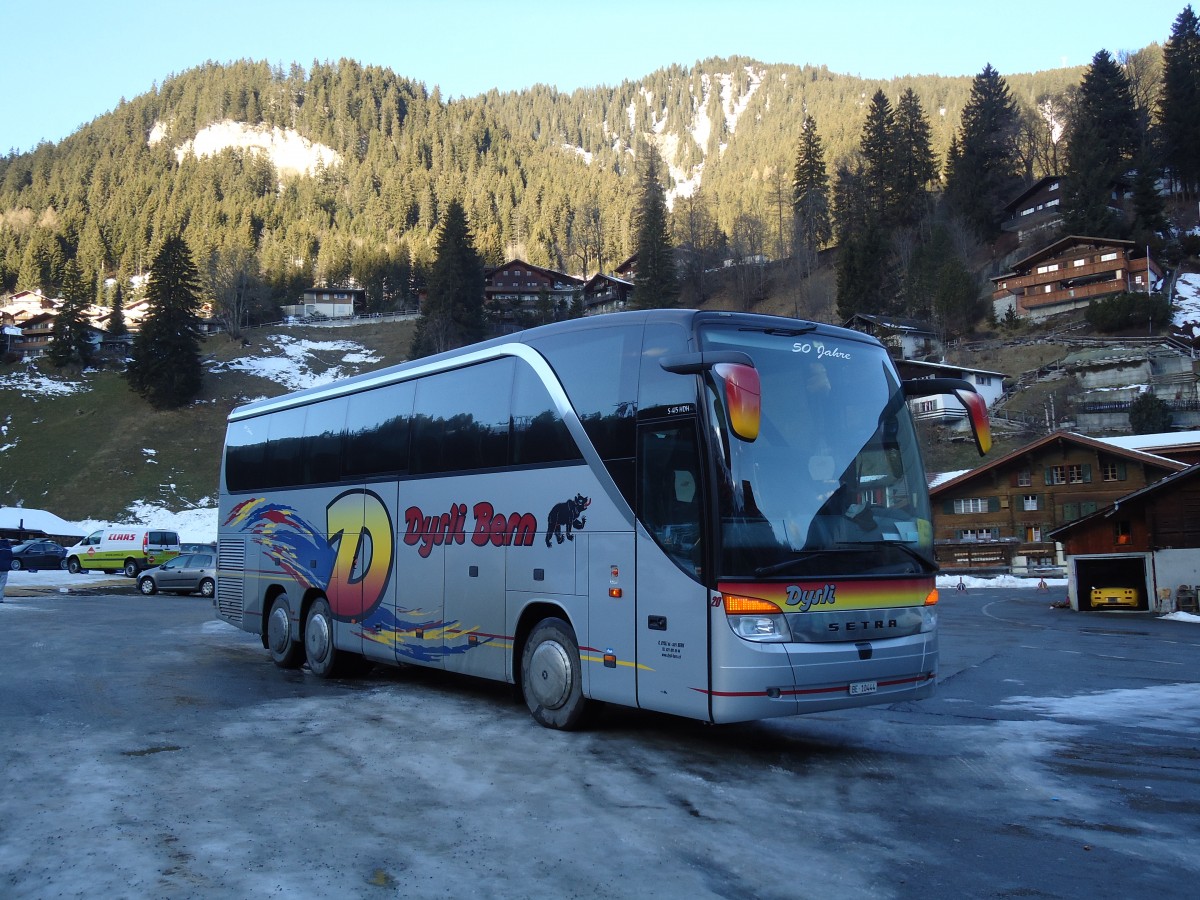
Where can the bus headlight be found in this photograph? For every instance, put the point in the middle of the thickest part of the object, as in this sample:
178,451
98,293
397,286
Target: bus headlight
755,619
760,628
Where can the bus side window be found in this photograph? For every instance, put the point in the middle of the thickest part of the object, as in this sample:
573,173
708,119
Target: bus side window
669,496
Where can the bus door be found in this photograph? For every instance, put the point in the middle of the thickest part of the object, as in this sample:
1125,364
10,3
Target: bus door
361,585
345,517
672,602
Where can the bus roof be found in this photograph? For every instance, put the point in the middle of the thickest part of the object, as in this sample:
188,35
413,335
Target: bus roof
688,318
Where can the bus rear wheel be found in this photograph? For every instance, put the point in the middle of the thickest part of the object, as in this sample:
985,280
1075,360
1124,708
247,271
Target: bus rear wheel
285,652
130,569
324,659
551,679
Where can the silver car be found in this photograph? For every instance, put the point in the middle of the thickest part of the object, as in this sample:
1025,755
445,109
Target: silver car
188,573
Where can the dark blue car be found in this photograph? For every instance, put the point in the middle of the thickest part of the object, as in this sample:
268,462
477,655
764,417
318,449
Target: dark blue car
34,555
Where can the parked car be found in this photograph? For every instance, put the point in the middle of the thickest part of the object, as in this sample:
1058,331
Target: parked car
1103,597
197,548
34,555
189,573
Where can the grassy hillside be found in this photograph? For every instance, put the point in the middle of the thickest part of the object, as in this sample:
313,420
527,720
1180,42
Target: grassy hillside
90,454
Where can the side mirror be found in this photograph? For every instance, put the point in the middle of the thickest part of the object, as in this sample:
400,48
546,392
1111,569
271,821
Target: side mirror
966,394
734,371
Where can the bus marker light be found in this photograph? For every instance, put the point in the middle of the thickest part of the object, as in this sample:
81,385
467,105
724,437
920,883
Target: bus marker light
614,592
931,598
610,659
736,605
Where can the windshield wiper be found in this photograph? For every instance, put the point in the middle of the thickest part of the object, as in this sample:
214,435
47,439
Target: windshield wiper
804,556
920,557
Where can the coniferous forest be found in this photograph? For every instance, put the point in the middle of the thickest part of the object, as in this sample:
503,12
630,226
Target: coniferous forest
553,178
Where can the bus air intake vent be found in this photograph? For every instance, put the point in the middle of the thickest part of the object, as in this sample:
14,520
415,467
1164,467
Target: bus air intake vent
231,564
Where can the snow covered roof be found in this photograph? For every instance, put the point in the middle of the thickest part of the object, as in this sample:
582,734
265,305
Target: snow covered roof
19,518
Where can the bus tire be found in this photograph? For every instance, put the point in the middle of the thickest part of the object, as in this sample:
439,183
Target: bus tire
285,652
130,569
73,566
551,676
324,659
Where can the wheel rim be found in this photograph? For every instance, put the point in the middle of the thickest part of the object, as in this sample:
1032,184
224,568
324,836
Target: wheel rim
147,586
317,638
550,676
206,588
278,630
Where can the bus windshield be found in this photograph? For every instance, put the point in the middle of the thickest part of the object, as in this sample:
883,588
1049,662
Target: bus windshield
834,483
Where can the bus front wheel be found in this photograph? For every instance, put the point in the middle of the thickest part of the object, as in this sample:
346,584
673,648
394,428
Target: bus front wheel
551,678
322,656
73,566
285,652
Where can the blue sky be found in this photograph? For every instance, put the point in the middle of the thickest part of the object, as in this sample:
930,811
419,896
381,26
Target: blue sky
68,62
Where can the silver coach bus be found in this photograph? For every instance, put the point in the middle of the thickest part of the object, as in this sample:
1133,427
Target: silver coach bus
715,515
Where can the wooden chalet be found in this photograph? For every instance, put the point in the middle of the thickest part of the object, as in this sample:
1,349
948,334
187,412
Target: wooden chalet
517,289
999,516
330,303
904,338
1147,540
1071,273
1036,211
605,293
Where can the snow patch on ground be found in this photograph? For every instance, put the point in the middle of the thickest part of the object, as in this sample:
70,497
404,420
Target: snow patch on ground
34,385
293,367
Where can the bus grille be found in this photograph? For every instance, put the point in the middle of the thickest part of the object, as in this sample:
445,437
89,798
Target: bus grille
231,567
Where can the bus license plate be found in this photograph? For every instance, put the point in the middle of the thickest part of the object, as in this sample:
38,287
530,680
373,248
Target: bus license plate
863,687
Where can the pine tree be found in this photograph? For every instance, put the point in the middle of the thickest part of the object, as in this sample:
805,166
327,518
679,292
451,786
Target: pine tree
1088,185
810,191
1179,101
1101,142
165,364
71,343
915,162
116,320
453,312
983,169
878,150
655,284
1106,99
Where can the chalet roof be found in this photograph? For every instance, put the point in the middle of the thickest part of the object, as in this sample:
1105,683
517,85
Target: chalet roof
1168,440
1060,246
892,323
933,368
553,274
1042,182
1170,482
41,320
337,289
600,278
1059,437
